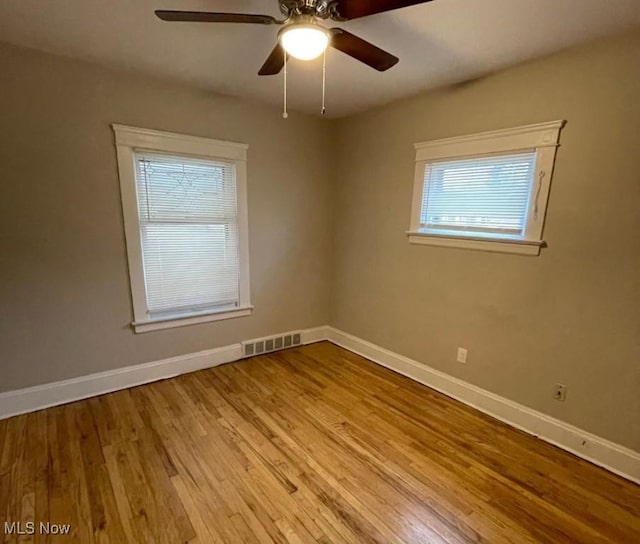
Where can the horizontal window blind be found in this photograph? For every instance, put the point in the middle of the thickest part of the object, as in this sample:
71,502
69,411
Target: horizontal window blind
480,195
187,210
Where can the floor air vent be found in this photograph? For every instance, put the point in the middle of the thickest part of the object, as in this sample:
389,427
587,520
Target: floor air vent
269,344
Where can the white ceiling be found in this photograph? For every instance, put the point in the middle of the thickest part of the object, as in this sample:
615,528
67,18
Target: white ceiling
441,42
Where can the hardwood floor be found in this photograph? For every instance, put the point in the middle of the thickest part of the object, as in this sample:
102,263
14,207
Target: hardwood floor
313,444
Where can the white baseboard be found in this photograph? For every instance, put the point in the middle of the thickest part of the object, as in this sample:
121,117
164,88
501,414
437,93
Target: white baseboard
597,450
52,394
30,399
317,334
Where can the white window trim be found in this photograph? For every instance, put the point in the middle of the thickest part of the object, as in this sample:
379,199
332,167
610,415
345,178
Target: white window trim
129,140
542,138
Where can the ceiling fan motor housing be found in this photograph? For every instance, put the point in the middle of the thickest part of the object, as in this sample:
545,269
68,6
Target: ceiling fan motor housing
322,9
309,21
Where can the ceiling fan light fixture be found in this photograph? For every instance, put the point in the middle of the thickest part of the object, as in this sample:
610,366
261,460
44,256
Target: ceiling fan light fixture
304,41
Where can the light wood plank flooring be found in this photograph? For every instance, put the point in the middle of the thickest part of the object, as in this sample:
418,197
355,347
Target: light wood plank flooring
313,444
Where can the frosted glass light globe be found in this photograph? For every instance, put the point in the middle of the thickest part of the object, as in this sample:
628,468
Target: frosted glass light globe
304,42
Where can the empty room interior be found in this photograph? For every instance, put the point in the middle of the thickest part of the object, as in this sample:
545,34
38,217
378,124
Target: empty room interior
312,271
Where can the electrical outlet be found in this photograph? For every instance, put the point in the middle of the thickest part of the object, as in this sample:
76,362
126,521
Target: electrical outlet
462,355
560,392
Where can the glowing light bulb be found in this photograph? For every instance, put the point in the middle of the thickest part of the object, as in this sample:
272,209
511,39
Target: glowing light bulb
304,42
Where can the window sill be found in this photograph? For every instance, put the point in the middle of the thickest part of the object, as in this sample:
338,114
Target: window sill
520,247
184,320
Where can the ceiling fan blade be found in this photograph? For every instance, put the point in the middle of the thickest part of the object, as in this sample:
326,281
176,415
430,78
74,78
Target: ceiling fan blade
352,9
362,50
274,63
210,17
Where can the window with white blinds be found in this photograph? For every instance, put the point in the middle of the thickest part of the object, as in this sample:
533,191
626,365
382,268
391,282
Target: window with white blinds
479,195
485,191
184,200
189,234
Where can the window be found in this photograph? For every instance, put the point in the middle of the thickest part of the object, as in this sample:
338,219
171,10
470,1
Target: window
184,202
486,191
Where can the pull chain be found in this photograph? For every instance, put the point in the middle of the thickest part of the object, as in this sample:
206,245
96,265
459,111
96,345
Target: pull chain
284,113
324,84
324,80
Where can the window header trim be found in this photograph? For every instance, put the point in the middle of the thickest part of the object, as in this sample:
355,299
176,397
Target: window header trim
528,137
171,142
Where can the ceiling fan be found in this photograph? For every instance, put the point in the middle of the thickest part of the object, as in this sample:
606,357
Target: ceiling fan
302,36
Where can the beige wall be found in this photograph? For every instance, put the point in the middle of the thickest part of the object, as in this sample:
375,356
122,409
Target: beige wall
570,316
64,289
